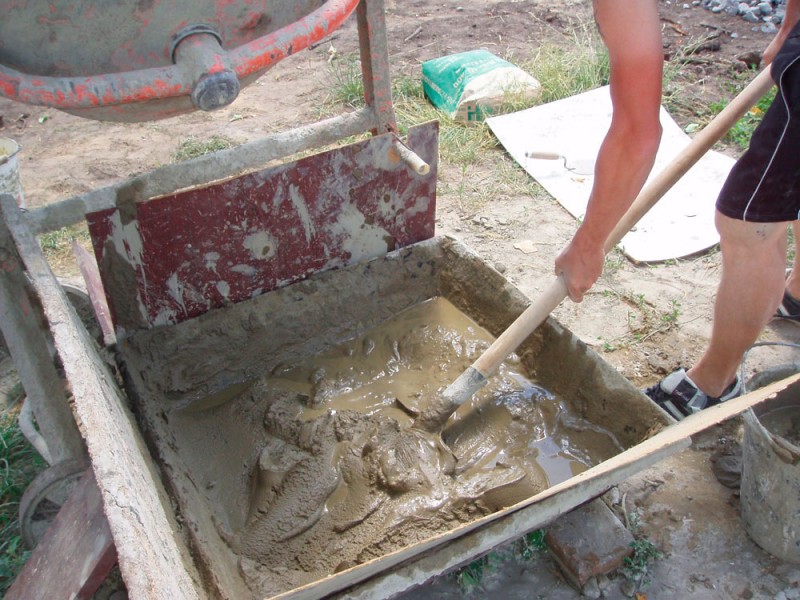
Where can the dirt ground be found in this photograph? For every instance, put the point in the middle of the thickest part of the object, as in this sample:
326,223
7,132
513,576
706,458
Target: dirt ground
682,508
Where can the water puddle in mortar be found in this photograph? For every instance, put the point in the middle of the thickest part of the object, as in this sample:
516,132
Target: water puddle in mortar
326,494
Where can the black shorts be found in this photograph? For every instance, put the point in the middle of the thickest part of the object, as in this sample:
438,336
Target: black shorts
764,184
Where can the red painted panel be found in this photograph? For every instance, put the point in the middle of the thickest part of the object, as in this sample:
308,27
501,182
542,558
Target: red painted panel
203,248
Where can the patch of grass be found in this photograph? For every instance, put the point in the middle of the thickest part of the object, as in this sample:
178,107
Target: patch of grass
681,99
346,82
644,320
613,262
192,147
679,82
19,464
57,247
470,578
464,145
564,72
532,544
459,144
502,179
637,568
609,346
671,316
741,133
513,180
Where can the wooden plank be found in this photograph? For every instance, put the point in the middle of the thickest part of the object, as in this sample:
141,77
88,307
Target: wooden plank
94,287
25,332
76,553
153,558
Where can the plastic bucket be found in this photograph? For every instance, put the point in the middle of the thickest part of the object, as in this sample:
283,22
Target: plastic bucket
770,488
9,170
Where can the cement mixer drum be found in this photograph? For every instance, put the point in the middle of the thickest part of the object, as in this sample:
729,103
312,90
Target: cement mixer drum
149,59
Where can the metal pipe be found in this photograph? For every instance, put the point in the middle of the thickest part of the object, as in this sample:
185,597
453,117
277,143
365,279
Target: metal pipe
28,429
219,165
374,52
411,158
112,89
207,67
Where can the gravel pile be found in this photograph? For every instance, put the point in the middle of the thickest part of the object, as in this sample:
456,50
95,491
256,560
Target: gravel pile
766,15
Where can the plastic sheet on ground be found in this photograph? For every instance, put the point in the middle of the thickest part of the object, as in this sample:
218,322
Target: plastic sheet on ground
680,224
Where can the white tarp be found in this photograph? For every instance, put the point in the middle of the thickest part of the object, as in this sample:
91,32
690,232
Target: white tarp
680,224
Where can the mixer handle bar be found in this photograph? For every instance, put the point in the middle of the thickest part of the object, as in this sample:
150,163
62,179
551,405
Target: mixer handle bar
411,158
202,69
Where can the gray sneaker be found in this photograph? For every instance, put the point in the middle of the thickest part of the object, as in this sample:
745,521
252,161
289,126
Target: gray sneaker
789,308
680,397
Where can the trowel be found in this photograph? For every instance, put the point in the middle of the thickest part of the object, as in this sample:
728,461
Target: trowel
580,167
434,416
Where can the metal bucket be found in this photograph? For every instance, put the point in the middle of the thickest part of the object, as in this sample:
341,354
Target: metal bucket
9,170
770,488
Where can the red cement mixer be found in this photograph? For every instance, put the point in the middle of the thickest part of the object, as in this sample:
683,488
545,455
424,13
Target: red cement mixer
150,59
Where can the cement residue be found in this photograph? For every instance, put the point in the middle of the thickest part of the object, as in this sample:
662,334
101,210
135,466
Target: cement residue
343,478
783,422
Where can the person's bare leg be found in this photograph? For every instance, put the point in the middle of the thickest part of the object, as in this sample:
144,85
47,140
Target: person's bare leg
793,281
753,259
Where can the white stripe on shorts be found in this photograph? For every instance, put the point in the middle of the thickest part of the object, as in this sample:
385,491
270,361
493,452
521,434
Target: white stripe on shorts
775,151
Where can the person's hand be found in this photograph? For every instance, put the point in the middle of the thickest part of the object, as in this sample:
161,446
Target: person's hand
580,264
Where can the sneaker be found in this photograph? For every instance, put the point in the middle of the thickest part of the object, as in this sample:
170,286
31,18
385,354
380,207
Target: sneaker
680,397
789,308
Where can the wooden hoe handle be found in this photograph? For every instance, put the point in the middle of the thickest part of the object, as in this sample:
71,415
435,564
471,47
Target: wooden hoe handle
537,312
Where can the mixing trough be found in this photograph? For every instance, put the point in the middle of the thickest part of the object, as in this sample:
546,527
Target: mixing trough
298,411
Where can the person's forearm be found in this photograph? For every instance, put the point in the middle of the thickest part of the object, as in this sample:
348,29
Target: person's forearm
623,164
629,148
631,32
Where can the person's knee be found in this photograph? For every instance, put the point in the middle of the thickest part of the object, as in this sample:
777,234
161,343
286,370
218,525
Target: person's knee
749,238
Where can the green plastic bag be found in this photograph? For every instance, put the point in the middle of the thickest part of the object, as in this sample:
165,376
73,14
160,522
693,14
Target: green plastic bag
469,86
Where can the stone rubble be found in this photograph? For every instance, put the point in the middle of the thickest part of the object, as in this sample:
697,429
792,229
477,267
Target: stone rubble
766,15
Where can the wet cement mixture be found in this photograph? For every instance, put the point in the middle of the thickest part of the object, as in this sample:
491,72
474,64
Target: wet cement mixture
343,470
